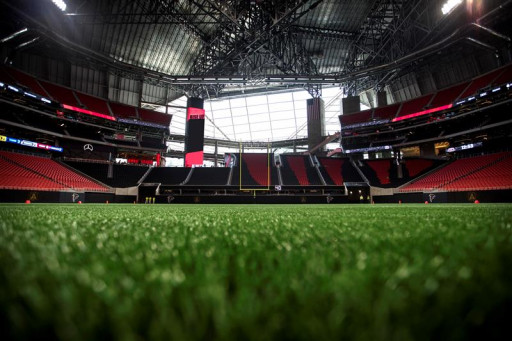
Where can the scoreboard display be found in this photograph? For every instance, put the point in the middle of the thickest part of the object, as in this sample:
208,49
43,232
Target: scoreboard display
194,132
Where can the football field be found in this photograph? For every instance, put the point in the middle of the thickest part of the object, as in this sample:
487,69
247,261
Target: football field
255,272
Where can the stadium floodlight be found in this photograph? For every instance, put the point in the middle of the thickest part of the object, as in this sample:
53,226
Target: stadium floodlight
450,5
60,4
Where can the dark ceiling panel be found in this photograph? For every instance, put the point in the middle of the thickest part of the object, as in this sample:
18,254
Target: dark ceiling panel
240,37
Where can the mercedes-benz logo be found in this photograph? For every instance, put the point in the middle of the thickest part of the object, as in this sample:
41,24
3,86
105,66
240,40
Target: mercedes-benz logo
88,147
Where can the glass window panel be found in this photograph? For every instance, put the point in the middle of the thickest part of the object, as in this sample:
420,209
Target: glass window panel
243,137
276,107
176,111
301,96
179,101
175,146
283,115
209,149
260,126
261,136
173,162
218,105
331,129
221,131
238,103
241,129
330,91
223,122
256,109
281,134
256,100
300,105
302,113
283,97
283,124
259,118
221,113
239,111
241,120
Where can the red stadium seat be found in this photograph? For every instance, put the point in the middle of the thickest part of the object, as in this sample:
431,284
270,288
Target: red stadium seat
443,178
94,103
60,93
298,167
334,169
46,173
358,117
258,166
28,81
381,168
414,105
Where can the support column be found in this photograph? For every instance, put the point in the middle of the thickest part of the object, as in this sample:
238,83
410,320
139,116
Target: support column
316,129
427,150
382,99
350,105
194,132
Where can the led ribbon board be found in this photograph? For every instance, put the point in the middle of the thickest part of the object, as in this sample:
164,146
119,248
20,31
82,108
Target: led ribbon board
421,113
28,143
464,147
26,93
194,133
88,112
141,123
369,149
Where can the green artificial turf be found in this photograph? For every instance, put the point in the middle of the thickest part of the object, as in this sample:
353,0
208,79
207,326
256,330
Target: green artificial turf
301,272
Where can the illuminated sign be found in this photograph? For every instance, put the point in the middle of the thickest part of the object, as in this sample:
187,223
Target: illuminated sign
10,87
464,147
30,94
424,112
141,123
28,143
369,149
364,124
88,112
34,96
195,114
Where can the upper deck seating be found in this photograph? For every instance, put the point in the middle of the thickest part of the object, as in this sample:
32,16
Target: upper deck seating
61,94
94,103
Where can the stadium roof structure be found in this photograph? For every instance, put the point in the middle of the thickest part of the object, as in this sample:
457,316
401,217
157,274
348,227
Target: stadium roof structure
226,48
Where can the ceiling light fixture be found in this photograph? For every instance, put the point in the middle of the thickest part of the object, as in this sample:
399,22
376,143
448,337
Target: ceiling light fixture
450,5
14,35
60,4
